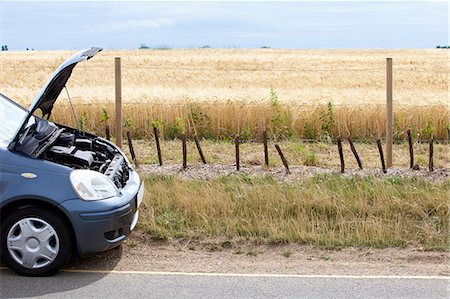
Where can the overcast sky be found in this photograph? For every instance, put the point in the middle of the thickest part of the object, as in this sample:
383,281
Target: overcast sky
127,25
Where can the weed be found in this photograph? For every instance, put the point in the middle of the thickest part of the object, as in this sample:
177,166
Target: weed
214,247
427,131
281,119
132,243
157,123
287,253
238,251
170,220
177,129
328,123
82,121
310,158
226,244
310,130
105,116
200,120
324,257
128,123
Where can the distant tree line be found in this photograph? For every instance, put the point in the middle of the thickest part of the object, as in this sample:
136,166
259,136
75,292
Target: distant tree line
442,47
164,47
5,48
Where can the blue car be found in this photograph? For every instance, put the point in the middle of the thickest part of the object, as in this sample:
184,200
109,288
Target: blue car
62,191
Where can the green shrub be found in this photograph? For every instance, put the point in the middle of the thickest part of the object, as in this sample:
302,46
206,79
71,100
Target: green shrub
177,129
281,118
428,130
328,123
82,121
310,131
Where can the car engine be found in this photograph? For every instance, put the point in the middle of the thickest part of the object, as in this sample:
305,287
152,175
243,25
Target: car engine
83,151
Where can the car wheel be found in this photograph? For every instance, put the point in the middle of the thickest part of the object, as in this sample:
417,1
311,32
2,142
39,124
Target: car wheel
35,241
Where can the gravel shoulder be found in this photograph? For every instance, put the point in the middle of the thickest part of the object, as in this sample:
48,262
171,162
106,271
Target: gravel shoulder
139,253
211,171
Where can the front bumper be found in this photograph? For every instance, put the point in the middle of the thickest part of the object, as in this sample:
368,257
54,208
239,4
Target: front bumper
104,224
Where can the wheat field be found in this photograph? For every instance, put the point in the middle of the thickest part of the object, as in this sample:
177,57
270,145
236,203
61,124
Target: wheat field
233,90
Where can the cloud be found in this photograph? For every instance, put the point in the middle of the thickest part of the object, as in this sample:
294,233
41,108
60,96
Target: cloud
132,25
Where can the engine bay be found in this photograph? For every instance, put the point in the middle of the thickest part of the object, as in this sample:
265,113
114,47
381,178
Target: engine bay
73,148
79,150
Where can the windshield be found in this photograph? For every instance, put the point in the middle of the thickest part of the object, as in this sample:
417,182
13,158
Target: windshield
12,117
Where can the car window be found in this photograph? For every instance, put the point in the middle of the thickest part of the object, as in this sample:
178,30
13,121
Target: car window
11,118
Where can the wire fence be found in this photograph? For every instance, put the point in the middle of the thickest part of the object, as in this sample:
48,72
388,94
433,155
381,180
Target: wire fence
302,102
431,70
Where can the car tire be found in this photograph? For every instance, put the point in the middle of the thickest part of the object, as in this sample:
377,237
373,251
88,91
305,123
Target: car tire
34,241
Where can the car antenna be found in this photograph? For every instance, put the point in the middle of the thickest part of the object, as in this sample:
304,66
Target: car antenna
73,111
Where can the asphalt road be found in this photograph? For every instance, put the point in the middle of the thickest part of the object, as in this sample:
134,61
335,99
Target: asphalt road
186,285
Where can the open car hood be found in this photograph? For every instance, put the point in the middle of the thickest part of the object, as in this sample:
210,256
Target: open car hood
51,90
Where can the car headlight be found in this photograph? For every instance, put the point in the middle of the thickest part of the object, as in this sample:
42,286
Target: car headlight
92,185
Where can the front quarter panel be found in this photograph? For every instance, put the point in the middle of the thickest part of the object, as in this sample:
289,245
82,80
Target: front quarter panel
51,182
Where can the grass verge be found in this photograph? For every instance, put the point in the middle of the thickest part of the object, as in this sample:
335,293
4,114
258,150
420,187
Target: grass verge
325,210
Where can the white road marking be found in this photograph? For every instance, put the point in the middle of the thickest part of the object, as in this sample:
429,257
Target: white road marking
268,275
256,274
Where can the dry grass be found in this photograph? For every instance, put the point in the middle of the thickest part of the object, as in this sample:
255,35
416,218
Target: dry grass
230,89
329,211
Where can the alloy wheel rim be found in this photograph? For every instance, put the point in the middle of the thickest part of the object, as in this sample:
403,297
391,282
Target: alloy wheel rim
33,243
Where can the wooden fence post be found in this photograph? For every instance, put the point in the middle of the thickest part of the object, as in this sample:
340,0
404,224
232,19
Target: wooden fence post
118,84
380,150
266,149
448,135
389,113
341,154
130,146
184,148
411,150
236,145
199,148
108,133
430,161
355,153
158,147
283,159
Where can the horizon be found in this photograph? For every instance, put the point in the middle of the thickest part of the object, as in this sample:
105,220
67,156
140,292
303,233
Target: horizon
231,48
